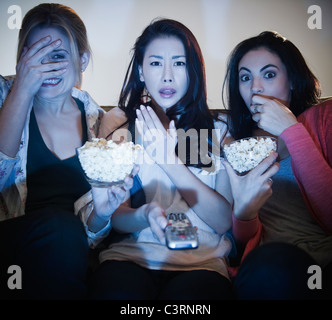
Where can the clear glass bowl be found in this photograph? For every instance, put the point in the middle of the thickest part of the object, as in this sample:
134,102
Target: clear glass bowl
100,183
247,153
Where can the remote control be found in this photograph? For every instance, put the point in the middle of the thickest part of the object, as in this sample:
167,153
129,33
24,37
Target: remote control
180,234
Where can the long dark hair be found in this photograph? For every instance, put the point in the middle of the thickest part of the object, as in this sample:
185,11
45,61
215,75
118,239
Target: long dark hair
305,86
192,109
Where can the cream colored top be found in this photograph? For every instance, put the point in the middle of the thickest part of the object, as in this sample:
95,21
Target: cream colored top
143,248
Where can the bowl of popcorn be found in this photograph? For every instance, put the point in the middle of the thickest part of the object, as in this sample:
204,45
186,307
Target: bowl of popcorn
106,163
246,154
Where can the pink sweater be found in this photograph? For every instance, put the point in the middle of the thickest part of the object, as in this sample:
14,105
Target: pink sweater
309,143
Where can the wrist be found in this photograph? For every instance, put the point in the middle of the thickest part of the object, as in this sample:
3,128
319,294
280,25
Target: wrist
96,222
244,213
21,97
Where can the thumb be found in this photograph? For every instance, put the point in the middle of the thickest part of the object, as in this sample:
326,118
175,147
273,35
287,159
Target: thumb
230,172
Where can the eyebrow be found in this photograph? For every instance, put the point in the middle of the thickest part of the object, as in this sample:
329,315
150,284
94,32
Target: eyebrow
59,50
160,57
262,69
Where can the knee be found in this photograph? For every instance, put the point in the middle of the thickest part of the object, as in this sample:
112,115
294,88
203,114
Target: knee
274,271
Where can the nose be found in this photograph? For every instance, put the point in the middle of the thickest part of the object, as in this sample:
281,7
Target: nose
168,74
256,86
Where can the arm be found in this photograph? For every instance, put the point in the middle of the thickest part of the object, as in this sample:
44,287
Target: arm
250,192
129,220
97,206
310,146
209,205
313,172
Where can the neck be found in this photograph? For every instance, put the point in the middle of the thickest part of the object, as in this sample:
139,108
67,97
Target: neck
53,106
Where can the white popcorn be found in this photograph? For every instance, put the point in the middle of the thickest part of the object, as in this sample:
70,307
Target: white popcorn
107,161
246,154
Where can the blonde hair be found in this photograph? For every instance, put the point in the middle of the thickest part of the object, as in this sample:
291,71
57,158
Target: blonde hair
61,17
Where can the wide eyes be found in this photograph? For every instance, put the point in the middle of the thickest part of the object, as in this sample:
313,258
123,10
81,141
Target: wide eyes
247,77
244,78
269,75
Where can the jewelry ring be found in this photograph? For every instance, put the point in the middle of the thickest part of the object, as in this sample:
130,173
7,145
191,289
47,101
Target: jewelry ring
270,180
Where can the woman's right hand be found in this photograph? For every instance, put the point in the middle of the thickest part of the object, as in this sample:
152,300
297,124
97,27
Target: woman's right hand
32,71
156,218
252,190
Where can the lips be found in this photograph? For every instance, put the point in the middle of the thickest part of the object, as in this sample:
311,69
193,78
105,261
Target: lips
51,82
167,92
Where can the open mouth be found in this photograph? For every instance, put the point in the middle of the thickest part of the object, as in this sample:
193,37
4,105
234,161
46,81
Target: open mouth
51,82
167,92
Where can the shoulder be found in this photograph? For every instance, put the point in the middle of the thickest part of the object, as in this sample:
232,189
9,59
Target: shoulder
112,120
115,116
221,124
319,113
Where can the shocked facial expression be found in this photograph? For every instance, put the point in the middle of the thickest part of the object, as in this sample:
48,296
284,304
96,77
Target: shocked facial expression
261,72
164,71
64,83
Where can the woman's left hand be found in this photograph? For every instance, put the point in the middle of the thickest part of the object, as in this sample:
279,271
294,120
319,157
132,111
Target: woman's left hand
271,115
252,190
158,142
107,200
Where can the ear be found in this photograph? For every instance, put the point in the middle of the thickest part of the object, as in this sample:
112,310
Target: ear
85,58
140,71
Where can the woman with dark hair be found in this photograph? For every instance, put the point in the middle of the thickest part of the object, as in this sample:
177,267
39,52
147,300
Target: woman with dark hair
167,74
44,117
271,91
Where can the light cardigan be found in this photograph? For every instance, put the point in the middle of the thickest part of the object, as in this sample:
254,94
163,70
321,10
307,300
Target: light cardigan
13,171
309,143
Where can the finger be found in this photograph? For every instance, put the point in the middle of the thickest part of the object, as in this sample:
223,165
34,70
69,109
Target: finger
53,66
47,49
172,130
147,118
158,226
42,47
24,51
139,123
265,164
256,108
154,118
53,74
259,99
128,183
35,47
230,171
271,171
116,195
135,170
256,117
270,181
